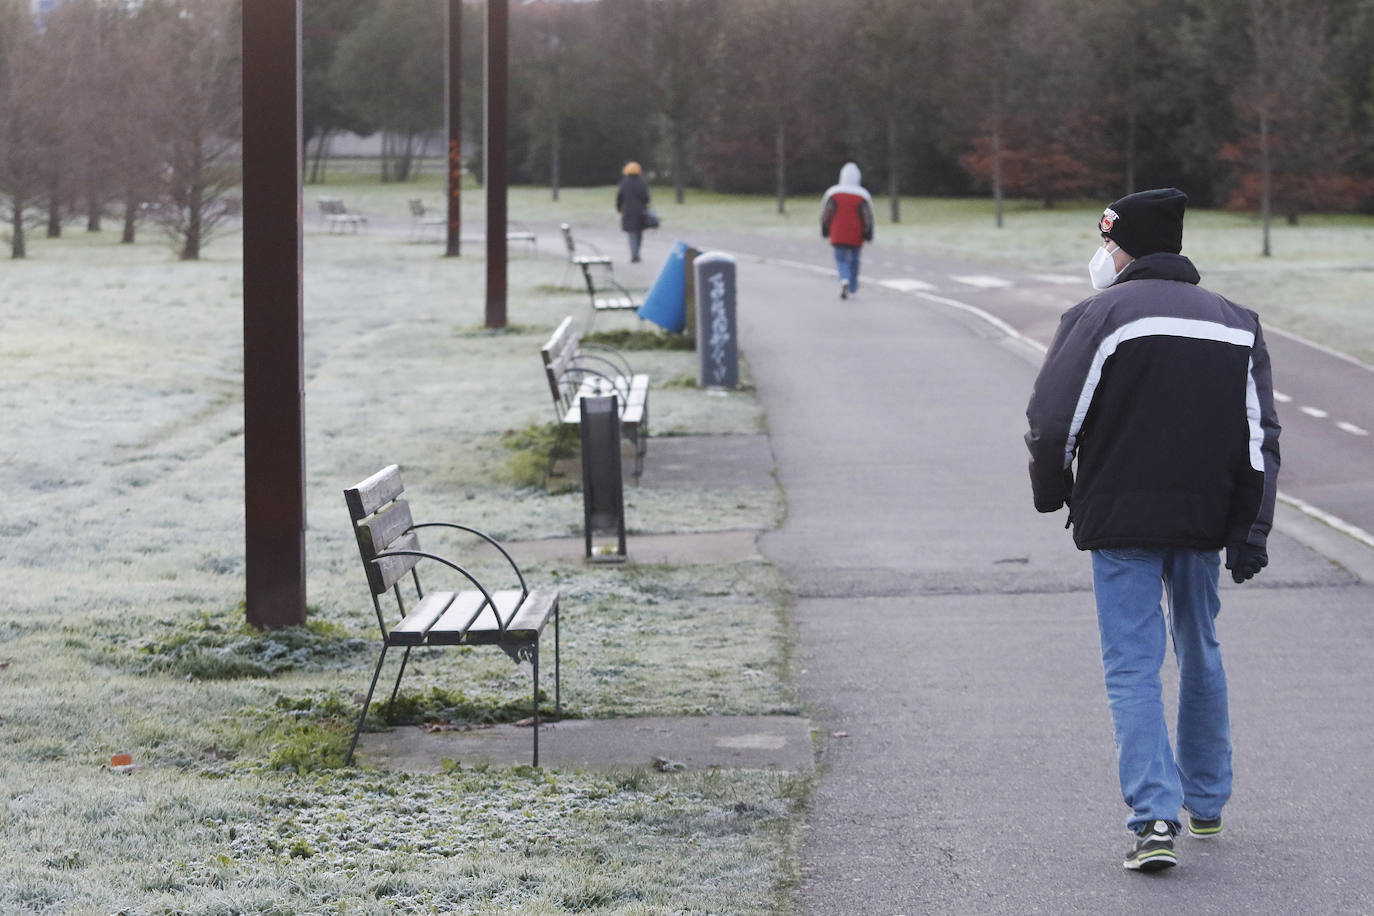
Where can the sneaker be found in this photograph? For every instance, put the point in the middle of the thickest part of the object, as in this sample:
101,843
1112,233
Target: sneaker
844,290
1204,828
1153,849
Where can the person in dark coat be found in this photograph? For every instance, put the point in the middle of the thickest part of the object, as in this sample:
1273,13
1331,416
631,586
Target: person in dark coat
632,202
1163,393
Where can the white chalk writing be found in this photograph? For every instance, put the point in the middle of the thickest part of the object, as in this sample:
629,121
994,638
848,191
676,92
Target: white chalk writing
720,329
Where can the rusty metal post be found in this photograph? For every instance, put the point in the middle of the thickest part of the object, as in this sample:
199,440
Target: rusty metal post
494,155
273,377
453,98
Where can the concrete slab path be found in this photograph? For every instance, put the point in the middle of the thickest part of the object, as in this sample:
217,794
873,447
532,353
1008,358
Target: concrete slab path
751,742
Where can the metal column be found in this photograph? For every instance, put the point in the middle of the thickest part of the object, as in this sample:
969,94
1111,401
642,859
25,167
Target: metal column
273,379
453,97
494,155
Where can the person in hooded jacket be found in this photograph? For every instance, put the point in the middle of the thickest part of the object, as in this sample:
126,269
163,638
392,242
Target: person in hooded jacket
632,202
847,220
1163,392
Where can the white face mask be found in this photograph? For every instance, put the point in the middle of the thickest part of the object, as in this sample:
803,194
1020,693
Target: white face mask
1102,269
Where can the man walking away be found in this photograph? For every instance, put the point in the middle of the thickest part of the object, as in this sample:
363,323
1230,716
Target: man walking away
847,220
1163,392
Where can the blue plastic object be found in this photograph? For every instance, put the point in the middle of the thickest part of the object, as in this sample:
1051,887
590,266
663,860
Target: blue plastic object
666,303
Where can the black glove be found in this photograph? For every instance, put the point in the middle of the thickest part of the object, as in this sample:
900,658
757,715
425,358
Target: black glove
1245,560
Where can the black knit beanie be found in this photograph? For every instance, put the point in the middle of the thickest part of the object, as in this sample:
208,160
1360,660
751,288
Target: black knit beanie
1146,222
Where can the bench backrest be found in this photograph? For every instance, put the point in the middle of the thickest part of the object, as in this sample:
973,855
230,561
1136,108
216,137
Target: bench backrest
331,205
382,521
417,207
561,353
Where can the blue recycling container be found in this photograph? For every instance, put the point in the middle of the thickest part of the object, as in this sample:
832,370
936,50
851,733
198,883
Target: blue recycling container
666,303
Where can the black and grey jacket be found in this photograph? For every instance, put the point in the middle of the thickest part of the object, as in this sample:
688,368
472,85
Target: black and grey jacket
1163,391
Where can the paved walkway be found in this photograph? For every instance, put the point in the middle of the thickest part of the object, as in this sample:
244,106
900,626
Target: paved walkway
948,630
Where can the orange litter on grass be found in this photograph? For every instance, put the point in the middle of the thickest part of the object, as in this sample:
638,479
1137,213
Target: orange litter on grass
121,760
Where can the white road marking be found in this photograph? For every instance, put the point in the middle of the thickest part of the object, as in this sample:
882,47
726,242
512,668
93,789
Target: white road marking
981,281
1351,428
1315,412
1281,397
906,285
1064,279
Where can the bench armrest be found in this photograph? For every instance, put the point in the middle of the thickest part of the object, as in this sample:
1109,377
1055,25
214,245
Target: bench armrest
524,589
612,356
579,373
487,599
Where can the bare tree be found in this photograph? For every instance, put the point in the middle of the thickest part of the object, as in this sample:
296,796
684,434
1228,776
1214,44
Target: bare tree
21,170
1288,144
896,44
198,46
778,63
685,38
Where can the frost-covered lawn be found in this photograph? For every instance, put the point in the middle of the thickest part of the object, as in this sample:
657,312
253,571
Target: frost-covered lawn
121,630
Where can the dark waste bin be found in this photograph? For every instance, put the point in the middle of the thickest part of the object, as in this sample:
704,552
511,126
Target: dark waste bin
603,490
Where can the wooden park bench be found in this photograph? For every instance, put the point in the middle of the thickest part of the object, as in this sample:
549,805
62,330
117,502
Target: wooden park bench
512,619
576,370
606,295
337,218
581,260
421,220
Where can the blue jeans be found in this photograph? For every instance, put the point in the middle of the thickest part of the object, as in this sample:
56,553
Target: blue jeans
847,260
1126,582
635,237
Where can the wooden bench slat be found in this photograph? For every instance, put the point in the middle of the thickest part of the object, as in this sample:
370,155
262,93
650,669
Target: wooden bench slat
413,627
528,623
389,570
381,530
454,628
616,303
374,492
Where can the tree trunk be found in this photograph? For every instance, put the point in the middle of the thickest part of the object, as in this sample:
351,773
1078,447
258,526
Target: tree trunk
94,206
894,183
130,219
17,249
997,171
780,151
1266,181
54,216
555,160
679,163
191,251
318,165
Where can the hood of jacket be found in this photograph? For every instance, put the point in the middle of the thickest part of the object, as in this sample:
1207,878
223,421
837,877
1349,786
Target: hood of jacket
849,174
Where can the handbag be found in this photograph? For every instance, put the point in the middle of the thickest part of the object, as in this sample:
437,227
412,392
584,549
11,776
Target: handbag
650,219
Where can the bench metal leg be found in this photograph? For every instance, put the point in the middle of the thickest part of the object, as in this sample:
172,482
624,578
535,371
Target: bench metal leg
557,673
366,703
553,451
534,657
396,689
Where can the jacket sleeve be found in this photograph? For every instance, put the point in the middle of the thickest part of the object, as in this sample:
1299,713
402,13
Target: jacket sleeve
1252,501
1054,402
827,215
866,217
